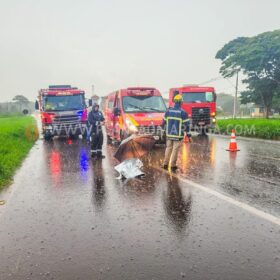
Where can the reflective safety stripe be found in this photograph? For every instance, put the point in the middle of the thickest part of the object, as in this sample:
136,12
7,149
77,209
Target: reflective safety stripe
174,136
174,118
99,150
180,127
174,111
93,151
186,120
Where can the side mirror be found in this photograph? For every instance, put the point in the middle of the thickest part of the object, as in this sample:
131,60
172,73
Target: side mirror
36,105
117,112
90,102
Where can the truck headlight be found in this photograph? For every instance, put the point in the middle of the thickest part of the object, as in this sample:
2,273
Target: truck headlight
131,126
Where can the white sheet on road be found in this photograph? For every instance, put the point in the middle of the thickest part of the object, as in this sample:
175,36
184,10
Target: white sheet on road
130,168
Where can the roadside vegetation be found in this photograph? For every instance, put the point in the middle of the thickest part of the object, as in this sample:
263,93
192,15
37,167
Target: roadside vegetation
17,136
257,128
257,58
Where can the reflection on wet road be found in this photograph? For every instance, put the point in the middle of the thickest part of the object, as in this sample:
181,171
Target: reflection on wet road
68,217
248,176
177,206
98,188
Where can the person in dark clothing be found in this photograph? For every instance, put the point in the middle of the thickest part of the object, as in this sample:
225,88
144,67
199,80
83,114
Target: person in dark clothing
96,120
176,125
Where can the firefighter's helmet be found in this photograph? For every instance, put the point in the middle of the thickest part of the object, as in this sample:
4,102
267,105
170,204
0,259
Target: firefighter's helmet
178,98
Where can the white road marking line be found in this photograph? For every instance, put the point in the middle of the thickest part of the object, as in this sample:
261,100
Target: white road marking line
252,210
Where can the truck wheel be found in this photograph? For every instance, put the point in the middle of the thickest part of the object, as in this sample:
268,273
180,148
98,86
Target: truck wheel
74,136
203,131
85,131
123,135
47,137
109,140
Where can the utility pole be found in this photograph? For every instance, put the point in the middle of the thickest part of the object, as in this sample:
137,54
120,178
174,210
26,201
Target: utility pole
235,97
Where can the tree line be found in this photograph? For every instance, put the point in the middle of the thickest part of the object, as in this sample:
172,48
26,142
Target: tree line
258,58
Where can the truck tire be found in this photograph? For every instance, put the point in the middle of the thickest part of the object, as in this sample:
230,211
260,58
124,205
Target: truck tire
47,137
123,135
74,136
203,131
109,140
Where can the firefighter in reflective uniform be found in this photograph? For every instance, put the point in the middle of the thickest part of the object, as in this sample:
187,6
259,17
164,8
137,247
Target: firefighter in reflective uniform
96,120
176,125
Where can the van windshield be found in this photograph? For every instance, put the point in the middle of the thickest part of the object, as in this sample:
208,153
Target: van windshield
143,104
198,97
64,103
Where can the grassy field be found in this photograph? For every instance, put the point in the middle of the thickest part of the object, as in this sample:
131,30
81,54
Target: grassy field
17,136
258,128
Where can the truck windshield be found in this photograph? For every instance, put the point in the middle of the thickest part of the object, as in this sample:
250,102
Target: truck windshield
143,104
64,103
198,97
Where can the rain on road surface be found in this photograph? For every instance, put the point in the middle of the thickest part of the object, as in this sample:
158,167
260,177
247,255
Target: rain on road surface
67,217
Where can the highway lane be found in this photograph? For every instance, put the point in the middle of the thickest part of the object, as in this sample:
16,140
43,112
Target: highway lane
68,217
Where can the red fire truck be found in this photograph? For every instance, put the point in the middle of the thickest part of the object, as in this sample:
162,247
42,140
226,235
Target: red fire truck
135,110
199,103
63,111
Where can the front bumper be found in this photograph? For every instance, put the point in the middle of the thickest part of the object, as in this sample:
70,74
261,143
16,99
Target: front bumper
205,124
65,129
156,131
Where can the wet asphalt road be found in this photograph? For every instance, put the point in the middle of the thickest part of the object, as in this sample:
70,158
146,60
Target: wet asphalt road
67,217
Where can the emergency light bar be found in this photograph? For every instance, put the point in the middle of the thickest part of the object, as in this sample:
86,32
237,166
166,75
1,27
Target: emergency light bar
61,92
64,93
190,85
54,87
140,88
141,91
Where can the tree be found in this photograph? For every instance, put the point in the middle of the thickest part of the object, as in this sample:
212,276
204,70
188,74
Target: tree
276,103
225,101
261,92
21,99
258,58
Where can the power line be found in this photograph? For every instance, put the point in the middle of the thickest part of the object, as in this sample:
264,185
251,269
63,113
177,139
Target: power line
212,80
220,78
220,90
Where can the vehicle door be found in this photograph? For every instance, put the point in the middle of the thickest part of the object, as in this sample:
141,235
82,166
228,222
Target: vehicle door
117,118
108,116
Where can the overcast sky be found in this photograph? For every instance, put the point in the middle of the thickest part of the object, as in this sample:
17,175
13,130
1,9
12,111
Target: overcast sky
121,43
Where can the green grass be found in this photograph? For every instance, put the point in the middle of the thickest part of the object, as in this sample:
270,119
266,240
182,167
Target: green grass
257,128
17,136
